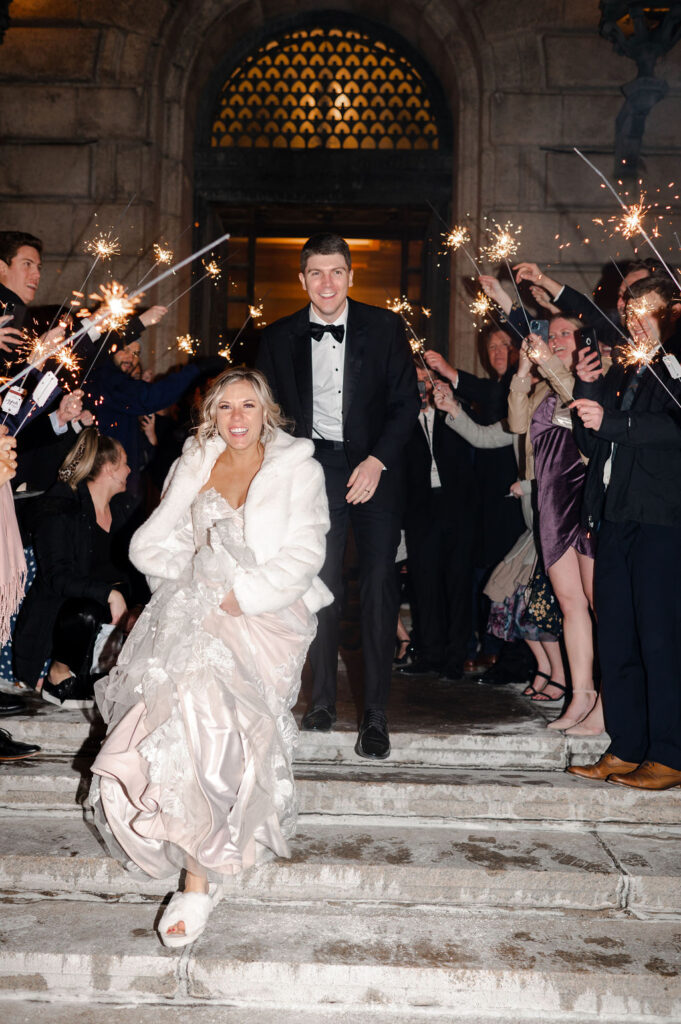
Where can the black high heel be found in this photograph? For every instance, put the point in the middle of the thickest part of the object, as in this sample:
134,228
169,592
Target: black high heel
407,657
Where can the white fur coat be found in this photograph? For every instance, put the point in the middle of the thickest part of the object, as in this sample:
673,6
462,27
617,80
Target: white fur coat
286,518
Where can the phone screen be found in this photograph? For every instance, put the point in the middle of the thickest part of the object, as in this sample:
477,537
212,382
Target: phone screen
540,327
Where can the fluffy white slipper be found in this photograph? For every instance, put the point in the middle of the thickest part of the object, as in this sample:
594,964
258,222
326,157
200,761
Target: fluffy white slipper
194,908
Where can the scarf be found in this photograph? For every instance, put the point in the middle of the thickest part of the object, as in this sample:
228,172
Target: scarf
12,562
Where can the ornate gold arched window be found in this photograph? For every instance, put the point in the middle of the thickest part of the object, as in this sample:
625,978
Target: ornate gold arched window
325,87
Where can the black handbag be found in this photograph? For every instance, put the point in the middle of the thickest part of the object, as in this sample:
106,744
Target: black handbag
542,606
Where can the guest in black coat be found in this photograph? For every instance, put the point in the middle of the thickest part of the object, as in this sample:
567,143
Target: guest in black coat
342,372
441,515
629,426
79,585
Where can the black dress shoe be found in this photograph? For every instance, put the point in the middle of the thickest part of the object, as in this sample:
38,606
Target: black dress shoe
319,719
408,658
11,750
373,740
420,667
11,705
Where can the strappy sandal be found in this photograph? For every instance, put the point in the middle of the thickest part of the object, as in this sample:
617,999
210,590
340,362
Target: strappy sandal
194,909
541,699
529,690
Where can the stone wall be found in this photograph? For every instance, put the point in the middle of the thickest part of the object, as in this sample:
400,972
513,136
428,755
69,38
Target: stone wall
98,101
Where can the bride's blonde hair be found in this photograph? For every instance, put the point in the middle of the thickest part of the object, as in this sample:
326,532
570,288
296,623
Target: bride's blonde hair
272,414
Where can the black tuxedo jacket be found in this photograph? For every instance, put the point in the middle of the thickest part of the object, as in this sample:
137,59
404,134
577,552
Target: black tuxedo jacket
455,465
380,396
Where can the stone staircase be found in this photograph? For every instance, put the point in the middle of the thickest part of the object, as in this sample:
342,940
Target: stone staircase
467,879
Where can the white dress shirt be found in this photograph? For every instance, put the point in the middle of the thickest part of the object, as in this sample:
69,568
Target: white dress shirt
427,421
328,362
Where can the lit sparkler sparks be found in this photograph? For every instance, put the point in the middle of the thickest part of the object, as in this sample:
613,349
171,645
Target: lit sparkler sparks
255,312
68,359
401,306
117,305
504,243
426,312
457,237
631,223
213,270
187,344
103,246
163,254
481,306
226,353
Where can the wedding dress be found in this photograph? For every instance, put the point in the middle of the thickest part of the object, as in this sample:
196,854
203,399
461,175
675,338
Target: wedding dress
195,771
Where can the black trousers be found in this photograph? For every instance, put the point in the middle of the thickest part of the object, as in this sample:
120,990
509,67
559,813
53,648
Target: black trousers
75,633
377,533
637,581
440,561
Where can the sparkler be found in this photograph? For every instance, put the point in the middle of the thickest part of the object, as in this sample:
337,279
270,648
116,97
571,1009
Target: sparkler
418,345
163,254
633,216
213,270
456,239
187,344
504,243
99,319
481,306
254,313
103,246
118,305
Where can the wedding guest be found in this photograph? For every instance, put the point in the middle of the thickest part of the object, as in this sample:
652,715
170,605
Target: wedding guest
536,408
629,426
78,587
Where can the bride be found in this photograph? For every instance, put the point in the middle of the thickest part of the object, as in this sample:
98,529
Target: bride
195,772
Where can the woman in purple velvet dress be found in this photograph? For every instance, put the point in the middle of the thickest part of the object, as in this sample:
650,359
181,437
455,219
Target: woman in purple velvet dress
539,410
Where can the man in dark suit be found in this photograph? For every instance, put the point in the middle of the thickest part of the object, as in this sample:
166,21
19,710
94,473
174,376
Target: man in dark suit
343,372
441,518
628,424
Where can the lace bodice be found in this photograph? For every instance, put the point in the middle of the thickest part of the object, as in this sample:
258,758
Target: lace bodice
209,508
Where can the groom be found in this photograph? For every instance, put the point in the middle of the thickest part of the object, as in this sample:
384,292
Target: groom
343,372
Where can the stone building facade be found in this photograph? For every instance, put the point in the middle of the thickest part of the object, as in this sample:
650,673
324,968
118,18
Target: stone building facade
101,102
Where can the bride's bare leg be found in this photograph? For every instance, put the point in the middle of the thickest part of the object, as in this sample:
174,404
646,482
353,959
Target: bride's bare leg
192,883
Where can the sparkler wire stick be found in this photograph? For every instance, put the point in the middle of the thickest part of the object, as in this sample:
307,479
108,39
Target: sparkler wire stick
102,317
209,273
520,301
641,229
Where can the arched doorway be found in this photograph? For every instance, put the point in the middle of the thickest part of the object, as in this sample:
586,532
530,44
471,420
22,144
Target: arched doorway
322,122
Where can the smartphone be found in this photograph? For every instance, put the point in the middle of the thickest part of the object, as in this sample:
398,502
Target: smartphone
590,341
540,327
421,385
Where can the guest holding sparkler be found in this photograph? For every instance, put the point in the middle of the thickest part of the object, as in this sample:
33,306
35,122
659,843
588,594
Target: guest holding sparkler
496,470
536,409
628,423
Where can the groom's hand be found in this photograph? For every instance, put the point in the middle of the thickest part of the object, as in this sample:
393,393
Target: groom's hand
364,480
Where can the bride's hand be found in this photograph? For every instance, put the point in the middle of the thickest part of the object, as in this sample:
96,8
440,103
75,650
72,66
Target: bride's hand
230,605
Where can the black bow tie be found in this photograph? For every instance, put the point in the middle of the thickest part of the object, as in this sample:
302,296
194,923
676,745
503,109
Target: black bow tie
317,331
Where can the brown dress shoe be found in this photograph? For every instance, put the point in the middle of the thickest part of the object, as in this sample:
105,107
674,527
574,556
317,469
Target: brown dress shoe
604,767
649,775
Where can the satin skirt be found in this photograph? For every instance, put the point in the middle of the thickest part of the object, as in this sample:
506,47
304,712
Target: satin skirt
195,771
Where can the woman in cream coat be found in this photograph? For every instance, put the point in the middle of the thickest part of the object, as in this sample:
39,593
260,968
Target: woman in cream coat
195,772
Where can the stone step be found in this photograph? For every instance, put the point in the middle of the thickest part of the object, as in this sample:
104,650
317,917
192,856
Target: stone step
548,799
520,745
563,967
457,867
29,1012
